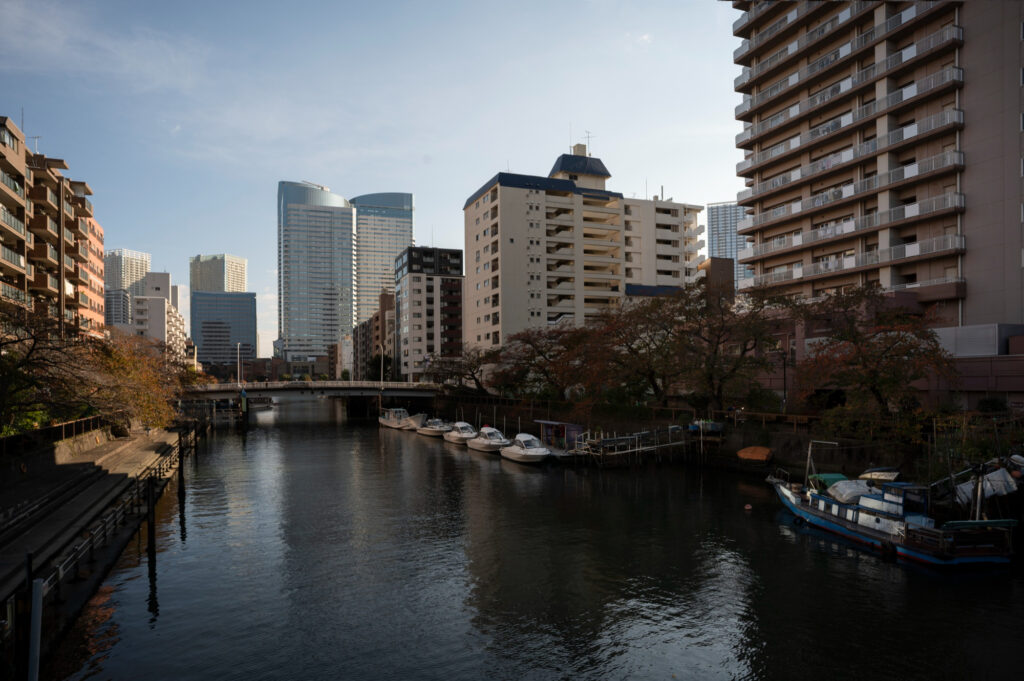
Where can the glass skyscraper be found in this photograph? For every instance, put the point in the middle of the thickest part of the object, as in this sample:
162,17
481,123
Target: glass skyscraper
723,242
220,321
315,267
383,231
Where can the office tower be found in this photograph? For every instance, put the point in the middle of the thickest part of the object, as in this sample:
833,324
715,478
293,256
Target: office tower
314,269
428,308
723,242
563,248
126,269
223,326
882,144
383,231
45,236
224,273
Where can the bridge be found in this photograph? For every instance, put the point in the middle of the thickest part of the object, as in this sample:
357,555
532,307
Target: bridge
226,391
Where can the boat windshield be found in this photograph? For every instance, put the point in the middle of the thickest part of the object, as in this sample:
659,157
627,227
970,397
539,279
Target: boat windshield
495,435
529,443
465,429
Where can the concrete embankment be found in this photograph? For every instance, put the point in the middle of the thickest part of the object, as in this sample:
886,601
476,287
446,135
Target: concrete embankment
68,511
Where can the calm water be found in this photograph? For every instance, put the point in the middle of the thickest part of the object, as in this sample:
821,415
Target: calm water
315,549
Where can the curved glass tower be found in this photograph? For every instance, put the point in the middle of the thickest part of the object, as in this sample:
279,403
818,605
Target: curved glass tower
383,231
315,249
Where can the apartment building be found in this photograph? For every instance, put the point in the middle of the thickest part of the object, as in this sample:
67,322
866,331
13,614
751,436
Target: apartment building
153,316
45,221
563,248
124,270
91,287
428,308
882,143
373,337
723,240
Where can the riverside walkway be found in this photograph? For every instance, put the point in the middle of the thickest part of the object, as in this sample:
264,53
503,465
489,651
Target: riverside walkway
48,512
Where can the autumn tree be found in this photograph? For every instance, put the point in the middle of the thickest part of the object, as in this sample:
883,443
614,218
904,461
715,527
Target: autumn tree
870,344
465,369
545,362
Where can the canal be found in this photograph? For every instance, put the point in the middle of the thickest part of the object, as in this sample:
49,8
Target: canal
312,548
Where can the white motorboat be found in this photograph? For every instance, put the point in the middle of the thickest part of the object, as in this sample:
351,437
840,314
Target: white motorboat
525,448
434,428
413,422
488,440
460,433
393,418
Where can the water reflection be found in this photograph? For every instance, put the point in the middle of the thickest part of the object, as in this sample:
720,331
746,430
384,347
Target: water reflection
320,548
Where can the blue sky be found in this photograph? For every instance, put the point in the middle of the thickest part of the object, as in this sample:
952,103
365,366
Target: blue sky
184,116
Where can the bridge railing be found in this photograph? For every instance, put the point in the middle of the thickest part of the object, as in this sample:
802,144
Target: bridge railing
312,385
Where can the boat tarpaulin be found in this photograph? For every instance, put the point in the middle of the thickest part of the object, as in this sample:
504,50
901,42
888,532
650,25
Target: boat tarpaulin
849,491
996,484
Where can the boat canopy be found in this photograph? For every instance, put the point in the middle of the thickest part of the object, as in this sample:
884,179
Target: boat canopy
527,441
825,480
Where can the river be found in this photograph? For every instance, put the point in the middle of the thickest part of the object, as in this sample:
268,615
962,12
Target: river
315,548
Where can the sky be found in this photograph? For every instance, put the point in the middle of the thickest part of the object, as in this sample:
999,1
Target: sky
183,116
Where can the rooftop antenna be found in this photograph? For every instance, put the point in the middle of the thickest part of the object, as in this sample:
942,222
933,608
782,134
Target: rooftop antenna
588,135
570,137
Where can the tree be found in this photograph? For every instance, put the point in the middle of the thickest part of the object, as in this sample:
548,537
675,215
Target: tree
870,344
543,361
467,368
373,367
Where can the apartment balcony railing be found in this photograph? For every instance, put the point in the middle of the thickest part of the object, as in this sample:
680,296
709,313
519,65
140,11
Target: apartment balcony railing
918,129
929,282
789,19
930,83
947,243
948,34
8,219
751,72
949,159
12,183
11,293
755,11
937,204
8,140
12,256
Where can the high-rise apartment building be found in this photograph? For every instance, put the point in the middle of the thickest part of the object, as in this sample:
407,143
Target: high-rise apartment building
224,273
315,247
563,248
127,269
47,233
374,337
882,143
223,326
383,231
723,241
428,308
153,315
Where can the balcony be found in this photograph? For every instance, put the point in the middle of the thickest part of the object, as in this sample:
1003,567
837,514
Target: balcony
80,228
43,225
44,283
12,184
45,196
8,140
933,83
8,220
926,208
949,243
913,131
945,161
947,36
751,73
12,293
12,257
787,21
44,254
84,206
77,250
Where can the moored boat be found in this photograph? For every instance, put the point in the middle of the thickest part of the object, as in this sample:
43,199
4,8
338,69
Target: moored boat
393,417
488,440
460,433
434,428
413,422
893,519
525,448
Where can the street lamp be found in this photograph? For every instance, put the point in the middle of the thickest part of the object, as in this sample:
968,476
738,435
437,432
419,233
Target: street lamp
381,346
238,363
783,354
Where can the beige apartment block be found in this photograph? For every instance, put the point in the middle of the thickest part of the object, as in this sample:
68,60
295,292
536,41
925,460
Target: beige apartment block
882,143
562,249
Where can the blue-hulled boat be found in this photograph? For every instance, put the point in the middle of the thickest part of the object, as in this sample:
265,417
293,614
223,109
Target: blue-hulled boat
893,519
